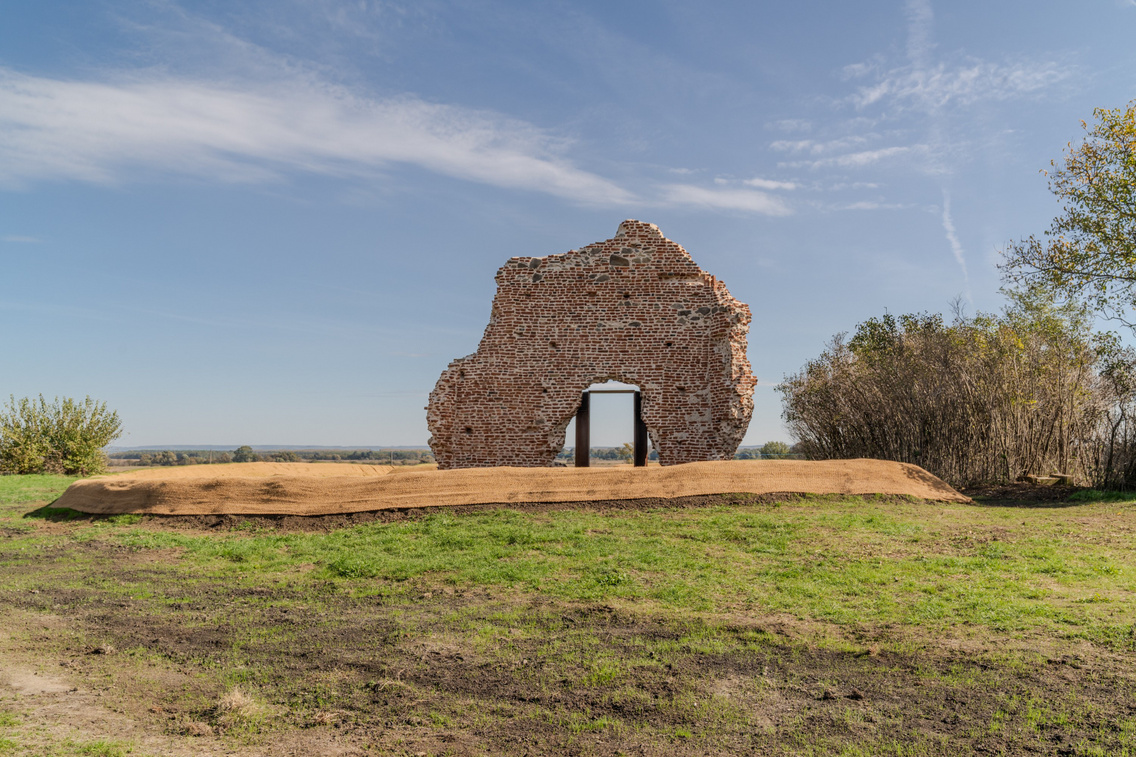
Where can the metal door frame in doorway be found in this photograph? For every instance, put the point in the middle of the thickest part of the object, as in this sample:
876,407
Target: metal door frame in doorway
584,427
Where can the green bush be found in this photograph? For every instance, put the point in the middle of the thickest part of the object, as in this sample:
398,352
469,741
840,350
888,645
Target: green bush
988,398
775,450
64,436
244,454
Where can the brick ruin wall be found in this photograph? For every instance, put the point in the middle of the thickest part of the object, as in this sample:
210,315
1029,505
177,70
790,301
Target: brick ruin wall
635,309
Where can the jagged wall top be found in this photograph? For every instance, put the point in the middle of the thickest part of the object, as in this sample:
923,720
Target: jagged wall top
634,308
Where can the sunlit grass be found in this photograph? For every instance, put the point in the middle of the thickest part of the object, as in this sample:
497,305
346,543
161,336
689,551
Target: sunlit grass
836,560
708,582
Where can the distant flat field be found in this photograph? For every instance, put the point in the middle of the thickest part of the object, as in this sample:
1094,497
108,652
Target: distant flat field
783,625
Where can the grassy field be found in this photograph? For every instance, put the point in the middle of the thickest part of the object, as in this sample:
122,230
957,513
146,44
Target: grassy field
805,626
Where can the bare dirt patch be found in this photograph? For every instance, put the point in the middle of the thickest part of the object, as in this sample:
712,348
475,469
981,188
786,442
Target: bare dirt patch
1024,495
65,712
328,523
438,669
25,682
155,639
336,522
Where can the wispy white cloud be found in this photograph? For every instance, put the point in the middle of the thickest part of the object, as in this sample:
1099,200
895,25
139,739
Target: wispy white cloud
920,17
791,145
913,114
17,239
798,124
941,85
750,200
815,147
953,241
860,159
924,85
860,70
770,184
872,205
918,91
101,132
114,131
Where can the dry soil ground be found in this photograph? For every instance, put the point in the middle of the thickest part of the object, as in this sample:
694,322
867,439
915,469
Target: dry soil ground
725,624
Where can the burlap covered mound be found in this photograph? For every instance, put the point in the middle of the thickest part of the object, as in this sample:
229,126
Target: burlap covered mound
305,489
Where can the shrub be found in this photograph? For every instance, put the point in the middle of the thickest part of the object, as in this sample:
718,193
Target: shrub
64,436
775,450
982,399
244,454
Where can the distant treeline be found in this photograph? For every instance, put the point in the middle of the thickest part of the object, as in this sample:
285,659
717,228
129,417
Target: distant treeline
768,451
246,454
169,457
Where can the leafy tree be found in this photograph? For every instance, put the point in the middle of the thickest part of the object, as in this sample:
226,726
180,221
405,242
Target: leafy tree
625,452
244,454
63,436
1089,251
775,450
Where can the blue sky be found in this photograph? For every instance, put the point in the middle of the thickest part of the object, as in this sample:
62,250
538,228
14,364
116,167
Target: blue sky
276,221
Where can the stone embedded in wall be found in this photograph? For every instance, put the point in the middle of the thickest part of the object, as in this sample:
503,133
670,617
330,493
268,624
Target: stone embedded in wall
634,309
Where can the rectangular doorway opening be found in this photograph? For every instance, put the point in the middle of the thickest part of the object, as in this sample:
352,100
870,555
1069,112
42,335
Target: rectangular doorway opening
601,423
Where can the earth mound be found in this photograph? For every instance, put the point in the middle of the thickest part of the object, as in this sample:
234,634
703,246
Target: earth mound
327,489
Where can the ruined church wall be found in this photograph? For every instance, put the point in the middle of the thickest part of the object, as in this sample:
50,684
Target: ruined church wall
634,308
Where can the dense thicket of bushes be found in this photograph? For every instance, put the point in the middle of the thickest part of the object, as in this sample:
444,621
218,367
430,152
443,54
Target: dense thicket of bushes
63,436
977,400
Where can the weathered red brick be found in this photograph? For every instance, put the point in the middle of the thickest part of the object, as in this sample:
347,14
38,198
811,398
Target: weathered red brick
636,309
